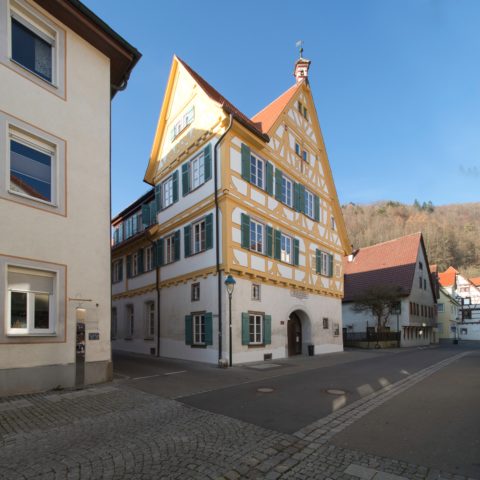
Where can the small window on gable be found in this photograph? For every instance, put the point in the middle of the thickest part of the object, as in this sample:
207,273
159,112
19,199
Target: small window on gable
325,323
182,122
332,220
195,292
305,155
298,150
255,291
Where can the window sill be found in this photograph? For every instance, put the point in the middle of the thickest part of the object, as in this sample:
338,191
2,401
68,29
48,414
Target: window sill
31,334
33,199
36,75
256,345
148,339
199,345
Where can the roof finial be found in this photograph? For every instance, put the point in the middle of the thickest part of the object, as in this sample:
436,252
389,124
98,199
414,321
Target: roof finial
299,45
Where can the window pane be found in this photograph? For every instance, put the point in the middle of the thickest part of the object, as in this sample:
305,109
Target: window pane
31,51
30,171
18,310
41,310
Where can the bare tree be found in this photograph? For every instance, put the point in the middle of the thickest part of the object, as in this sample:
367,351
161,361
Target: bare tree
380,301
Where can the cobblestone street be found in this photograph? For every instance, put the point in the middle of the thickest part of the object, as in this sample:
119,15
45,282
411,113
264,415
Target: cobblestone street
116,432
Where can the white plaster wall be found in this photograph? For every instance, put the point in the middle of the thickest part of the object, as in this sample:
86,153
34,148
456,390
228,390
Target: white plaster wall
279,303
81,240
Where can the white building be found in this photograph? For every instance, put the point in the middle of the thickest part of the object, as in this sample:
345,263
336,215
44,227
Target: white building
467,294
401,263
59,67
252,198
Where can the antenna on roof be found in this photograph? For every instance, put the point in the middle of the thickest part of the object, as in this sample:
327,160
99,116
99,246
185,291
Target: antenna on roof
299,45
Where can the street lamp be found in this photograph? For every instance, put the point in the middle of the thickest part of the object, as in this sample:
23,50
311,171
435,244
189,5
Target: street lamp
230,285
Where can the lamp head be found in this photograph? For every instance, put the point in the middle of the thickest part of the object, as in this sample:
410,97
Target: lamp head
230,284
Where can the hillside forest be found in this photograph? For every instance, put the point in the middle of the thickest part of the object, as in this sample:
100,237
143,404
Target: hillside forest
451,232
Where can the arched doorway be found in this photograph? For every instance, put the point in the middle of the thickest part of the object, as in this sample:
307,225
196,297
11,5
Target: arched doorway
294,327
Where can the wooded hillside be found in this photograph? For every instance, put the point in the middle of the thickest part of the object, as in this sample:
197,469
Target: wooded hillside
451,232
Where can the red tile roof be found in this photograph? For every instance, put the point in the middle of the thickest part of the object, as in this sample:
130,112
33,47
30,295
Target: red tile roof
448,277
226,105
387,263
267,117
475,281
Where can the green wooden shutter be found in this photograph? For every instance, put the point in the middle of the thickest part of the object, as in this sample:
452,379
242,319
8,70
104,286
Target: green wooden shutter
269,178
316,205
177,245
245,328
175,186
330,265
301,198
129,266
187,232
153,213
267,329
207,162
188,330
209,231
159,248
140,260
296,251
185,179
318,261
269,241
208,328
296,197
277,244
145,215
158,197
245,162
278,184
245,229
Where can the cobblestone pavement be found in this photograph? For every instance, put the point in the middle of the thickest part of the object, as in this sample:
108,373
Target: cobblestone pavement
114,432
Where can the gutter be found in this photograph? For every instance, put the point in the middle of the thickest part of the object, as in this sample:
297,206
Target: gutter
217,235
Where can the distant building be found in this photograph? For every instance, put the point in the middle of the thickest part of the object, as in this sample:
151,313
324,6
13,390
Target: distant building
448,311
249,197
467,294
401,263
60,65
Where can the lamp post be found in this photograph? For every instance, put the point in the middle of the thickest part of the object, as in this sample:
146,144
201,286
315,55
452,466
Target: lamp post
230,285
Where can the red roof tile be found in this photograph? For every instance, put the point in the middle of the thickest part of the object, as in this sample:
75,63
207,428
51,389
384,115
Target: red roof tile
387,263
267,117
448,277
475,281
226,105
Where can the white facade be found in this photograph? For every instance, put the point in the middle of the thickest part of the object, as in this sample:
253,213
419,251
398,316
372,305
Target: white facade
54,203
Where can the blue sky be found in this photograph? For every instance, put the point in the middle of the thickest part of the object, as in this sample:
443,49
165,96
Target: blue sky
395,82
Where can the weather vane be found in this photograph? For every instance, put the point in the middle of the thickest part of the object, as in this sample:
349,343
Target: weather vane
299,45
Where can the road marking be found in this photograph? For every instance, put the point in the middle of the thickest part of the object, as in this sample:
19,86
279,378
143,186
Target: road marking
148,376
174,373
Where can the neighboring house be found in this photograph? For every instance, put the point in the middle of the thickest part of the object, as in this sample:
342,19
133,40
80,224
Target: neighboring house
59,67
252,198
400,263
447,312
467,294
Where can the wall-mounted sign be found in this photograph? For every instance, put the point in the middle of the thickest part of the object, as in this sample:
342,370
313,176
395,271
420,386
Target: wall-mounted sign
94,336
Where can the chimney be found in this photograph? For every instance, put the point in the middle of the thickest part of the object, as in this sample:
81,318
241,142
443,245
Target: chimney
301,70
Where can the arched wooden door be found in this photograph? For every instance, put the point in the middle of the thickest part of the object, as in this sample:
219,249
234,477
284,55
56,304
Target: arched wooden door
294,327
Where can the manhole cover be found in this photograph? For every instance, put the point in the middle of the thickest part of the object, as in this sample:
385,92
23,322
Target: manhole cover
336,391
264,390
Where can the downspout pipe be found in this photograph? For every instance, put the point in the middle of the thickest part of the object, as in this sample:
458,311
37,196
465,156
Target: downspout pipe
217,235
157,288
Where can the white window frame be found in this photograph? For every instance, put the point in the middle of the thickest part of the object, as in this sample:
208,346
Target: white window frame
31,18
201,245
197,171
256,292
325,323
117,267
258,230
149,319
298,150
130,320
182,122
30,329
441,307
195,292
286,248
148,258
305,155
287,191
325,262
255,320
198,329
257,171
169,253
167,192
309,204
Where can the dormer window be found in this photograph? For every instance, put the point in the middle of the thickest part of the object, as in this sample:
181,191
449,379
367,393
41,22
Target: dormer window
182,123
